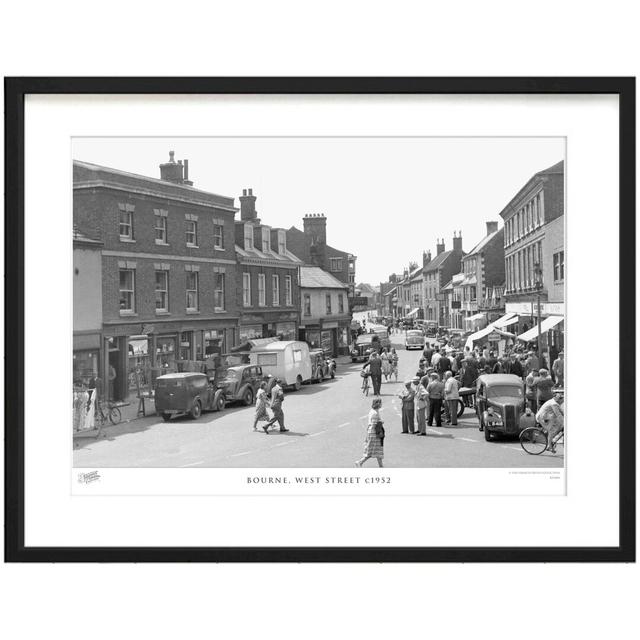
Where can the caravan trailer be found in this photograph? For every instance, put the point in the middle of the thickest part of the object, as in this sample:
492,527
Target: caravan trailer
288,360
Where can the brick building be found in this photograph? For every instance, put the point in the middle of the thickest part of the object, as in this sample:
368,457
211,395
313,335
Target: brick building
310,245
483,271
534,253
436,273
325,317
168,268
268,289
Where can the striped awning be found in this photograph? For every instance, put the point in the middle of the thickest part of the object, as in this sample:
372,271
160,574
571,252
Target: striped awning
545,325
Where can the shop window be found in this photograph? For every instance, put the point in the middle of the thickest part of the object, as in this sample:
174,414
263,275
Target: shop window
192,291
275,290
262,297
162,291
218,293
127,291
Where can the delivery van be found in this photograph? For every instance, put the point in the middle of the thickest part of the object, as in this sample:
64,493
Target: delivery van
288,360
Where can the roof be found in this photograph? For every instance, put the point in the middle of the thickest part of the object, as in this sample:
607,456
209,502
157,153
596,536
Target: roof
279,345
501,378
438,261
317,278
267,255
182,374
484,242
80,238
415,273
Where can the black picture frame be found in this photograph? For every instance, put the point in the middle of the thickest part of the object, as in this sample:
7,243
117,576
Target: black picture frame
15,91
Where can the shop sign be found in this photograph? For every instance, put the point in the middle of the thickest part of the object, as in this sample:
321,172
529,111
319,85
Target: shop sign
494,336
329,325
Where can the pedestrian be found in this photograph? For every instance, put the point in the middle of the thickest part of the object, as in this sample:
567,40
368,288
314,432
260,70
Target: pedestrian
261,406
374,441
435,389
394,363
435,357
530,390
422,402
375,370
543,387
551,417
451,397
491,361
516,366
277,398
533,363
407,395
527,419
497,367
444,364
428,353
558,370
385,364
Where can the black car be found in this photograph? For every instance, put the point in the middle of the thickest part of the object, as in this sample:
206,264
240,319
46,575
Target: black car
241,383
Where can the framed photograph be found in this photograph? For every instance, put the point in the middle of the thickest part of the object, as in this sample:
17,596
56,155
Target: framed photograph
320,319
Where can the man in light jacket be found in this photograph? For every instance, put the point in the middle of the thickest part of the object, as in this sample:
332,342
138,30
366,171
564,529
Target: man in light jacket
451,397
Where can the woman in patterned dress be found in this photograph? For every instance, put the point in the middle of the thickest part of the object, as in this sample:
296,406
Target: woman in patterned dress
386,364
261,406
373,444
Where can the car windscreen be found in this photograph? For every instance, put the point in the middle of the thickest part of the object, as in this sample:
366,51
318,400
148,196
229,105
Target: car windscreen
231,375
504,391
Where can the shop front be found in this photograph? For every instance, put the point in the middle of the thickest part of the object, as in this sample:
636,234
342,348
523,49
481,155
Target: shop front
270,324
86,358
330,336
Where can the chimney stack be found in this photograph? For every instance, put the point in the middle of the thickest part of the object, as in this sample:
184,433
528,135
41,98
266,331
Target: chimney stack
492,227
248,206
457,242
440,246
172,171
186,174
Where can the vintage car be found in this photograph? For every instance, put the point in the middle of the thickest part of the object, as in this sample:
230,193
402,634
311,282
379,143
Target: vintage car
500,401
186,393
366,343
241,383
414,339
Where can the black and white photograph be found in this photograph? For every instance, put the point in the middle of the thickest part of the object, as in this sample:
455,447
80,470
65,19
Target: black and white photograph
319,302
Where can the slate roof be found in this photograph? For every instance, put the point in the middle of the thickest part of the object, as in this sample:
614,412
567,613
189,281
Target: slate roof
483,243
317,278
438,261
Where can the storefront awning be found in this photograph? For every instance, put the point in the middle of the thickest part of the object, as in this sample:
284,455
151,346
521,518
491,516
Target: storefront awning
507,319
478,335
413,312
477,316
545,325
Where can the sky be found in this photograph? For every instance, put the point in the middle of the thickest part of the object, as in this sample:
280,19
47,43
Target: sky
386,199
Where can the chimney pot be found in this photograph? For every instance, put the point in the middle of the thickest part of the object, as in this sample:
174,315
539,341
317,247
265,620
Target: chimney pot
171,155
250,192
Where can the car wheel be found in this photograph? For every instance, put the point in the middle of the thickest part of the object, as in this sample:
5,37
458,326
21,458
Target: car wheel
196,410
247,397
220,402
487,434
298,383
166,417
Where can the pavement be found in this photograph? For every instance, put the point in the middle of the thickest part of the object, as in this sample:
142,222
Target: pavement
327,423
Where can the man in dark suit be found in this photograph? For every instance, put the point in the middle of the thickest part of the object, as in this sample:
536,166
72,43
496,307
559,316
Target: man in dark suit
516,366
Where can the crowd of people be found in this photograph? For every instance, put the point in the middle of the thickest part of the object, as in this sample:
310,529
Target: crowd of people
443,371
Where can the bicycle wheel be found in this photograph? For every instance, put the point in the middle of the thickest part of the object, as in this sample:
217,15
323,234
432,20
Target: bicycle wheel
533,440
114,415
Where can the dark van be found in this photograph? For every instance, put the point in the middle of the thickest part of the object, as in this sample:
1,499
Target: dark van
186,393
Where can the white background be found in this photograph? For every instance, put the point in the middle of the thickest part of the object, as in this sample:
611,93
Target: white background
491,38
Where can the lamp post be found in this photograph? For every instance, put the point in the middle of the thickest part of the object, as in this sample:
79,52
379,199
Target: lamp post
537,271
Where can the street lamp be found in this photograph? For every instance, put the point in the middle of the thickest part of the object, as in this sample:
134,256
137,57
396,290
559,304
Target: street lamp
537,273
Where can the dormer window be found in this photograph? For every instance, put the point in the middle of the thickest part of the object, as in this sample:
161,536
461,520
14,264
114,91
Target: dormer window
266,240
248,236
282,241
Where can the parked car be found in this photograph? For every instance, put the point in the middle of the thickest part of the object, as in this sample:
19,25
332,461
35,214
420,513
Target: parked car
500,402
241,383
414,339
288,360
187,393
319,365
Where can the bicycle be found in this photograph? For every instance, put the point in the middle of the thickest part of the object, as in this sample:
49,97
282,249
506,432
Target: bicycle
365,384
535,440
109,413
